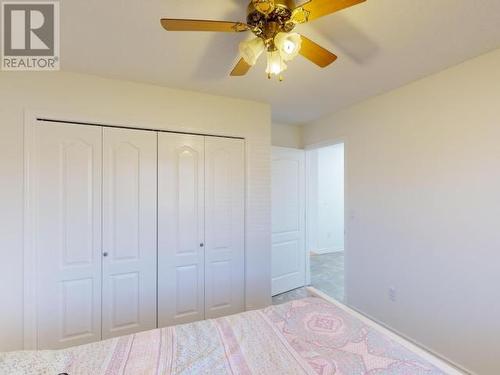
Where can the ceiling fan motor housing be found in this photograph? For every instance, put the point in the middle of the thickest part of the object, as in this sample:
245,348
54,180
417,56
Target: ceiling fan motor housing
268,25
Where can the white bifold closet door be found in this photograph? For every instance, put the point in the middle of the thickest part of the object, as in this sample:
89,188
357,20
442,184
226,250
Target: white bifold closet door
94,205
94,209
181,224
201,227
224,226
129,231
66,201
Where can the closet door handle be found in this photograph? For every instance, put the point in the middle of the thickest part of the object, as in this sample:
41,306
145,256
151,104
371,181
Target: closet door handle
202,244
105,254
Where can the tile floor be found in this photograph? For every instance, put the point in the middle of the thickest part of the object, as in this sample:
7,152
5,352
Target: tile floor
327,275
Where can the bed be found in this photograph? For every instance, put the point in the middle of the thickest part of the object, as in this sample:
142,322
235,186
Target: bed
314,336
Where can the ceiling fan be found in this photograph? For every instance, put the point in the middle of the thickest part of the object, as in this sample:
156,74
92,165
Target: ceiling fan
272,23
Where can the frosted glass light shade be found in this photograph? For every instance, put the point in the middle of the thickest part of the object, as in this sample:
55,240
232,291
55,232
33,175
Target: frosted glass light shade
251,50
289,45
275,64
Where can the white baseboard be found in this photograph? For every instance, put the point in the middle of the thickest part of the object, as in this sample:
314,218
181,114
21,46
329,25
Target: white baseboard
325,251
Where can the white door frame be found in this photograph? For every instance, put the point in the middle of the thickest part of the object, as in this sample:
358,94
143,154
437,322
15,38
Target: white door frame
31,117
312,147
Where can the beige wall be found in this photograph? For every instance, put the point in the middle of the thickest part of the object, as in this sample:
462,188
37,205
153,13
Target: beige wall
113,101
423,209
284,135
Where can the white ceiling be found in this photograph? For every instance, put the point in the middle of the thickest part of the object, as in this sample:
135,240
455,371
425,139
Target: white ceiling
381,44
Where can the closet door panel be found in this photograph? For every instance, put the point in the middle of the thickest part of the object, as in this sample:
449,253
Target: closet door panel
66,185
129,231
224,221
181,228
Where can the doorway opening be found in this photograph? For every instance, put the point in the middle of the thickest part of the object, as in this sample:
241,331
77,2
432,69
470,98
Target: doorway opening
325,243
308,222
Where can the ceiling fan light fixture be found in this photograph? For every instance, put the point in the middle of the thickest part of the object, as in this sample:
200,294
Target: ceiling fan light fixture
251,50
272,23
275,64
289,45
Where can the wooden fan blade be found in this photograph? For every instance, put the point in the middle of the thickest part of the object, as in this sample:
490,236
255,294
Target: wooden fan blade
317,54
320,8
202,25
241,68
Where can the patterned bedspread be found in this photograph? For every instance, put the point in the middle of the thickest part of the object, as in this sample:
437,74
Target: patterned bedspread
309,336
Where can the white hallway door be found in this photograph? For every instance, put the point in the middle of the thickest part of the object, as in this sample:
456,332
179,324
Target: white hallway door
129,231
288,220
201,227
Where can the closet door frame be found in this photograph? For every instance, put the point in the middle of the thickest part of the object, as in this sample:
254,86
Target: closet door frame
32,117
29,266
